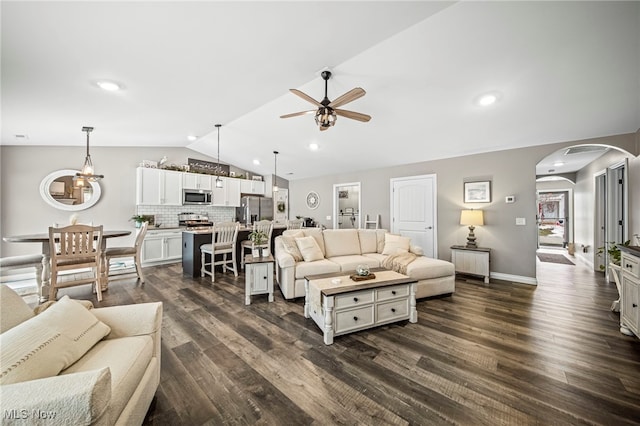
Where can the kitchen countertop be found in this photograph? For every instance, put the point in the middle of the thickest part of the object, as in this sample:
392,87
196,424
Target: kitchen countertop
242,228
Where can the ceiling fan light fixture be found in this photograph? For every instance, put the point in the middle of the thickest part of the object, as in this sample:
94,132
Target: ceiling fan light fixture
326,117
328,111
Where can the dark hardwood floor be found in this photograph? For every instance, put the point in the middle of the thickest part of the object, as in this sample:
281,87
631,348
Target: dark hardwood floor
494,354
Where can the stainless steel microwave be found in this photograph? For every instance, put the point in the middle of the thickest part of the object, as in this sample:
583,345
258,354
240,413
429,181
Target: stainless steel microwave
196,196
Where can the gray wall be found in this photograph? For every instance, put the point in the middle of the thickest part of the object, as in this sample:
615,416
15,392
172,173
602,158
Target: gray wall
23,168
512,172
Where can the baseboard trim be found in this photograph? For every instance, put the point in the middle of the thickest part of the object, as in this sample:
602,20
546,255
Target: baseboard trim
514,278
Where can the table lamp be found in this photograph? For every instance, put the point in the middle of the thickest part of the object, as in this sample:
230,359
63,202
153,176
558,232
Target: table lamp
471,218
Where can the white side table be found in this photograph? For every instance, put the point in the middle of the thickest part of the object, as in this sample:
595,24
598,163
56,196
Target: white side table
473,261
258,277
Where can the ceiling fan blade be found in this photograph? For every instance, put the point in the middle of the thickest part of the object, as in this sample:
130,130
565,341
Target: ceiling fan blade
351,95
353,115
295,114
305,97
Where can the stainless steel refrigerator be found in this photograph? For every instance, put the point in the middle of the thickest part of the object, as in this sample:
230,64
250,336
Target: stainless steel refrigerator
253,209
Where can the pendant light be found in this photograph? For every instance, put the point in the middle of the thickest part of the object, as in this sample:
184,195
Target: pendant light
218,180
275,171
87,172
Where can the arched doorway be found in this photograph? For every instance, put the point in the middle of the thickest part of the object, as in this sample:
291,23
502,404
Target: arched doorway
582,202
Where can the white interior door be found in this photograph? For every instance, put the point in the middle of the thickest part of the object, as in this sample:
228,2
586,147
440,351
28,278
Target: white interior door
414,211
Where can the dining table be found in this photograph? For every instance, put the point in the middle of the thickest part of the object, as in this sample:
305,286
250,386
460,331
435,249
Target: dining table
43,239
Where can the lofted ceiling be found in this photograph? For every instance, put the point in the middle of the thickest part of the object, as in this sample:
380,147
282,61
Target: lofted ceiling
562,71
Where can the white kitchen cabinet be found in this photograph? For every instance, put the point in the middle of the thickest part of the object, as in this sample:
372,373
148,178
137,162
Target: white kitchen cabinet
162,247
229,194
196,181
630,297
253,187
473,261
156,187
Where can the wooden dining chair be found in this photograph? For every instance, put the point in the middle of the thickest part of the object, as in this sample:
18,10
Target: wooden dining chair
264,226
295,224
223,242
75,247
127,252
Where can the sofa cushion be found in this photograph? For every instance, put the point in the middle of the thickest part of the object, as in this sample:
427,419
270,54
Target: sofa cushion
309,249
349,263
47,343
323,266
394,243
341,242
368,240
424,268
13,309
127,359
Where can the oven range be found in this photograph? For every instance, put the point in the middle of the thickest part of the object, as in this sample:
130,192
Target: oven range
194,221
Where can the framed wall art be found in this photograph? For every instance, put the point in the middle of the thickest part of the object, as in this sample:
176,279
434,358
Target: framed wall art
477,192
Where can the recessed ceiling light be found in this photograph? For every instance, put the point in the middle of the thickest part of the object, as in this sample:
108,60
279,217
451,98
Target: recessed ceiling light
109,86
488,99
192,138
256,162
558,164
313,146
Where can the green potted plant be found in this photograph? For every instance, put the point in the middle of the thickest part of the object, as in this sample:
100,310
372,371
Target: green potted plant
257,238
140,218
613,251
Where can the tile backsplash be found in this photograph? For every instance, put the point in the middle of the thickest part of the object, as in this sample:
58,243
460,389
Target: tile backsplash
168,215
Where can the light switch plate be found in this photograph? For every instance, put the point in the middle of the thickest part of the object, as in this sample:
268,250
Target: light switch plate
328,217
521,221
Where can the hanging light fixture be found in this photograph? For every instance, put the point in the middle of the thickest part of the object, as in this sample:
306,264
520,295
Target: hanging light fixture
275,171
87,172
218,180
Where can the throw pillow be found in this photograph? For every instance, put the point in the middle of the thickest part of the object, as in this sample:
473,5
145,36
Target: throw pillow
46,305
290,246
395,243
309,249
14,309
49,342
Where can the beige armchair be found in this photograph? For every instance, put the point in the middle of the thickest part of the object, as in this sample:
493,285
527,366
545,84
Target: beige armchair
83,366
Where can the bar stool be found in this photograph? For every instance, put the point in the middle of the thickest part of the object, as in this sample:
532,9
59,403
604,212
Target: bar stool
264,226
223,241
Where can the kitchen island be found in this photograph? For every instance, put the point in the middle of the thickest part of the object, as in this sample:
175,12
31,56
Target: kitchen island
192,240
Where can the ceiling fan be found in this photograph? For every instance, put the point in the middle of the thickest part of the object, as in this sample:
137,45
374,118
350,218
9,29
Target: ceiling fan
327,111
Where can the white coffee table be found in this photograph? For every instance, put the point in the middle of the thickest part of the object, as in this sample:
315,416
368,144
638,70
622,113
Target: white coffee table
339,305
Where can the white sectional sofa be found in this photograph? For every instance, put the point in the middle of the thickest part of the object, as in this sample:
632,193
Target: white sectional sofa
70,365
342,250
